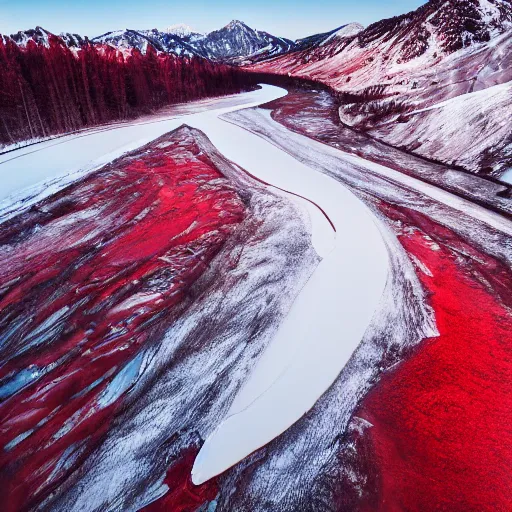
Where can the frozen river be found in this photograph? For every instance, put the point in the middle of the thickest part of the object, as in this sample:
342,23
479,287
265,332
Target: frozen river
331,314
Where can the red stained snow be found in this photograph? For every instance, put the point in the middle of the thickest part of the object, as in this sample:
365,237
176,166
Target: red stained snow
120,249
183,495
442,425
442,431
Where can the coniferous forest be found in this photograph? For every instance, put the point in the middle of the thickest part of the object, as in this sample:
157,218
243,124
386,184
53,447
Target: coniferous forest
51,89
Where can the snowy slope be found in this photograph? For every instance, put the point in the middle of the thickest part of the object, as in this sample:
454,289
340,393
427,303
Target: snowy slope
403,64
468,130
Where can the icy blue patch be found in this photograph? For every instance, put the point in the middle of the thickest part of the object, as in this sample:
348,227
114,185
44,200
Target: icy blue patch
50,321
17,440
121,382
45,332
89,387
68,458
212,506
19,381
14,327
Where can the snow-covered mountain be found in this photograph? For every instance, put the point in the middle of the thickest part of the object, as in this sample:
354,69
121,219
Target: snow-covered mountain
180,29
390,74
234,43
41,36
167,41
237,41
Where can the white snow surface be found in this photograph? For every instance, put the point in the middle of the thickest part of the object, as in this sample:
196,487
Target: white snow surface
33,172
347,31
458,129
326,322
507,177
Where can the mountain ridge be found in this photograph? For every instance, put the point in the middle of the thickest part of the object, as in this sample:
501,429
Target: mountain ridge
235,43
388,74
231,43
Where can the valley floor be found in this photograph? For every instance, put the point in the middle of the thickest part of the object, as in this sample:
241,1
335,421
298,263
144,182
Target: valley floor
331,310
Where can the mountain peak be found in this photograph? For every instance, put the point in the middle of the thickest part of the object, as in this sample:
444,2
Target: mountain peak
180,29
38,35
350,30
234,24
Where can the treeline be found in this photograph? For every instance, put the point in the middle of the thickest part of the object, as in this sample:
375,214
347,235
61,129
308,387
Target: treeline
46,90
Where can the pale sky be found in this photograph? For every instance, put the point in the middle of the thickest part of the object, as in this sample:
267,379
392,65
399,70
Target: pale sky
286,18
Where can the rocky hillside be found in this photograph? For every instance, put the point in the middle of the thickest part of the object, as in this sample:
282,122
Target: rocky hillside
389,74
41,36
161,41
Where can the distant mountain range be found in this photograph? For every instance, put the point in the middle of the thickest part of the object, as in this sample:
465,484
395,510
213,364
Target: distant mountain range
236,43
